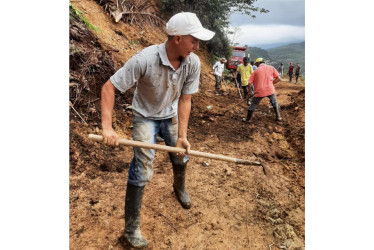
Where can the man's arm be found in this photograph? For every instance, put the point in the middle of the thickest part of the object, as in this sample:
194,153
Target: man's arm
107,104
277,79
184,109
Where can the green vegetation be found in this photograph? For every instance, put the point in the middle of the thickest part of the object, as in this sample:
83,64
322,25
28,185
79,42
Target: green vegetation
255,52
75,13
284,54
214,15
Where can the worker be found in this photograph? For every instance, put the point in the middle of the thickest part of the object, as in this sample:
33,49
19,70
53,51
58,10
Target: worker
218,68
245,70
263,79
165,76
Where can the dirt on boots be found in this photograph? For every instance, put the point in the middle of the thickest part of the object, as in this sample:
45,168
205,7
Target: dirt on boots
133,204
179,185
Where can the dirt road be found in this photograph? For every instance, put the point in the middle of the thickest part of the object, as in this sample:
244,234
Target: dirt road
233,206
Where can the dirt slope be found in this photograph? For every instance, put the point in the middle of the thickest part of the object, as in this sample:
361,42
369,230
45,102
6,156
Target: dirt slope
234,207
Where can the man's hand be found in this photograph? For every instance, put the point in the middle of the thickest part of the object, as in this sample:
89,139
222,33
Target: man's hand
183,143
110,137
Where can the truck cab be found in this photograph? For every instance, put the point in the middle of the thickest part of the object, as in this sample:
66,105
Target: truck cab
238,54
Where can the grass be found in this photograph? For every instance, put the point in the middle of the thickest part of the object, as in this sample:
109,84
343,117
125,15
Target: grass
79,13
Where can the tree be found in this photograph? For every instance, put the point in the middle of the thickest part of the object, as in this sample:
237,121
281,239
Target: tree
236,33
214,15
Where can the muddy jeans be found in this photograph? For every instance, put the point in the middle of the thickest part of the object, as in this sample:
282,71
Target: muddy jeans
218,81
257,100
145,130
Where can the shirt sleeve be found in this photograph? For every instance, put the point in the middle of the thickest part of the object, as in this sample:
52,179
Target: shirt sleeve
127,76
191,85
252,77
215,65
275,73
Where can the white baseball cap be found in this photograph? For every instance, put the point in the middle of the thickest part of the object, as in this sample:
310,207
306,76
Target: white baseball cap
187,23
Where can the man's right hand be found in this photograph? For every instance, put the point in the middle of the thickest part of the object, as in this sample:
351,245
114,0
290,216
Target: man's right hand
110,137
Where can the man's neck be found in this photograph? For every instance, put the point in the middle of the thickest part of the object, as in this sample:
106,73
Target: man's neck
172,55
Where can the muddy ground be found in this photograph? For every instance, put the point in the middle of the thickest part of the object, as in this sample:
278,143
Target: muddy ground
234,206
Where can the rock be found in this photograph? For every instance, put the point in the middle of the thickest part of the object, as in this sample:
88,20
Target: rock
205,164
278,129
238,217
288,243
228,171
274,213
209,107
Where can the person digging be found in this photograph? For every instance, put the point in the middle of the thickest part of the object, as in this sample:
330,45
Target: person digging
165,76
263,79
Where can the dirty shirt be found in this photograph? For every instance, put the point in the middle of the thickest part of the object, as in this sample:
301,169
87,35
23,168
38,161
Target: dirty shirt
218,68
262,80
158,84
245,72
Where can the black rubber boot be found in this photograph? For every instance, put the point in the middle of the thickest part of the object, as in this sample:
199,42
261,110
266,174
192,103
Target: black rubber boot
179,185
277,113
249,115
133,204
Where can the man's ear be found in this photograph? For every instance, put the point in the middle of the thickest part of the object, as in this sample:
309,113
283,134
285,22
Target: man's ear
177,39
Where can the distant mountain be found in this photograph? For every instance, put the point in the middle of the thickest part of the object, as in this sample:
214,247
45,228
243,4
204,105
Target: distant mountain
294,52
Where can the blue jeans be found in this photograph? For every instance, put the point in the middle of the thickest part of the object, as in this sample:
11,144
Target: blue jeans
290,75
145,130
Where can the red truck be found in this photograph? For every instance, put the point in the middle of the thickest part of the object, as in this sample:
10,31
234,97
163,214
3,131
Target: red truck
238,53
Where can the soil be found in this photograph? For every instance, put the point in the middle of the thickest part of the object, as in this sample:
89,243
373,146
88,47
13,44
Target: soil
233,206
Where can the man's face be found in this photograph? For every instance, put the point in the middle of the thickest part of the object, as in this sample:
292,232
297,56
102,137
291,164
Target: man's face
187,44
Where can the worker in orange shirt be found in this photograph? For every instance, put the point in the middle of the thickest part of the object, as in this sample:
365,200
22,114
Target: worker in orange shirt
263,79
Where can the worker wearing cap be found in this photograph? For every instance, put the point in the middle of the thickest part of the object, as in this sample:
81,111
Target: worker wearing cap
218,68
263,80
165,77
245,70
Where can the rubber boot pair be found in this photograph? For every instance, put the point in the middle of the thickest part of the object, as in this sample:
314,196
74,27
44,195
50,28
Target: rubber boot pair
249,115
277,113
179,185
133,204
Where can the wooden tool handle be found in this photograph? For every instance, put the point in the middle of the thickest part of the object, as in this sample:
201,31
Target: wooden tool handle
139,144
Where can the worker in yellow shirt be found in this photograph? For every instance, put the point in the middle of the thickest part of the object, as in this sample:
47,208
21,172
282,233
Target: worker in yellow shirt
246,71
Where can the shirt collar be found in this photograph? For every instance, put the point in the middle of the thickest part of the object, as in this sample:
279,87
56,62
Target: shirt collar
164,57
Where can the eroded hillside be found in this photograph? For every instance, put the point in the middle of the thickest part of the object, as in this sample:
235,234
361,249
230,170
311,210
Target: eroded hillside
234,206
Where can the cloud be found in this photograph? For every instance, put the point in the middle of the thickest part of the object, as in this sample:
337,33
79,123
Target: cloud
287,12
255,35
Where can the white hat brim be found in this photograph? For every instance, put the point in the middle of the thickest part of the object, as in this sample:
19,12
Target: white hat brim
203,34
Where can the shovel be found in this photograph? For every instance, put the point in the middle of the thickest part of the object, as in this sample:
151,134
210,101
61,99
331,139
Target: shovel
140,144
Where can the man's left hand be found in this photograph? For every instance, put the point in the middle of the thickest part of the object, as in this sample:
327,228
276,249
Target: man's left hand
183,143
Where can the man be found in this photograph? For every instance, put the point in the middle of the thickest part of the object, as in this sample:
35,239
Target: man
218,68
263,79
254,67
281,70
297,72
290,71
245,70
165,76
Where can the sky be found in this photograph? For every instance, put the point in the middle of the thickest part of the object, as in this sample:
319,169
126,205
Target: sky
283,24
